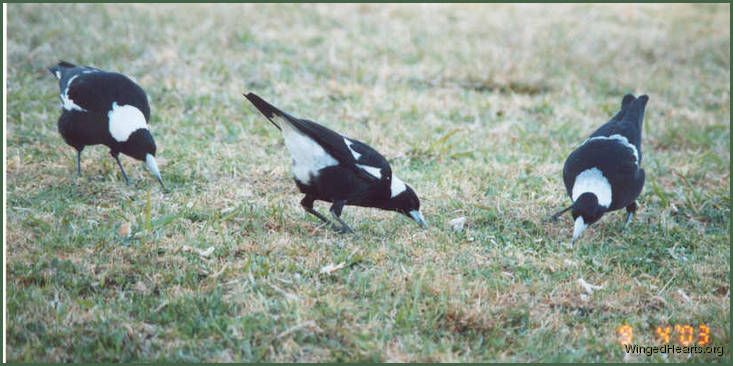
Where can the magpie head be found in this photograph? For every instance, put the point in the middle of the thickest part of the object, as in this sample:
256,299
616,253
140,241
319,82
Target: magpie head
585,211
407,203
140,145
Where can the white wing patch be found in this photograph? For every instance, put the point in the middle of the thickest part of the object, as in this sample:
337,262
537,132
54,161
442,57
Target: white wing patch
592,180
622,140
66,102
376,172
124,120
356,154
308,157
397,186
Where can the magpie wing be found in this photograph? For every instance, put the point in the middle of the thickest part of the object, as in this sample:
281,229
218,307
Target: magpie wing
365,159
368,159
97,91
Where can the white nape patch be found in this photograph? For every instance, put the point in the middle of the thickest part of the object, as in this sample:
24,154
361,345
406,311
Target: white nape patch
376,172
580,226
308,157
124,120
397,186
67,103
592,180
348,145
622,140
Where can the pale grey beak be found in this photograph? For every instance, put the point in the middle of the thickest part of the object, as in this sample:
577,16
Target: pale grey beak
417,216
580,226
153,166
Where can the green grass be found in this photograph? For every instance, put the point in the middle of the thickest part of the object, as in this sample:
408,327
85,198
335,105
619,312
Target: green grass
476,106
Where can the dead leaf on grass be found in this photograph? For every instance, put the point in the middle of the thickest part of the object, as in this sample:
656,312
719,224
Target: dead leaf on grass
588,287
684,295
125,229
309,324
204,253
457,224
141,288
332,268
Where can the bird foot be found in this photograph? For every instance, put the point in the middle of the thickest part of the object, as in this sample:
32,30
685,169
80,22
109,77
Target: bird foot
628,221
343,229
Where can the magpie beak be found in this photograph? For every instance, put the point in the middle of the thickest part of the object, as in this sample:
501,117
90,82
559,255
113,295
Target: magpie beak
580,226
150,162
417,216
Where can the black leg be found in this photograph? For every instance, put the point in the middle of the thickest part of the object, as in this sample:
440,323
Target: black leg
117,157
336,213
78,163
307,204
631,210
558,213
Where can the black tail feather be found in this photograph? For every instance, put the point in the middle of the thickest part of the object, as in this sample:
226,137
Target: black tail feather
628,98
63,63
60,66
643,99
635,111
265,108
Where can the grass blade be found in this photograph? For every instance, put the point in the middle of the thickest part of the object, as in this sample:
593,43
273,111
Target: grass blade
148,224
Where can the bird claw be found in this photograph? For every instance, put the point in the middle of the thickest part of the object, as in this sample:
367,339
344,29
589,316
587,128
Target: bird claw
628,221
344,229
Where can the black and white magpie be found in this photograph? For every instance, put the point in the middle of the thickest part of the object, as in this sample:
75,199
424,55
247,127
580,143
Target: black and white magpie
604,174
101,107
331,167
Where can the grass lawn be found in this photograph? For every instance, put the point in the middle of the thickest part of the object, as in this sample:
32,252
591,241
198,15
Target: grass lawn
475,106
